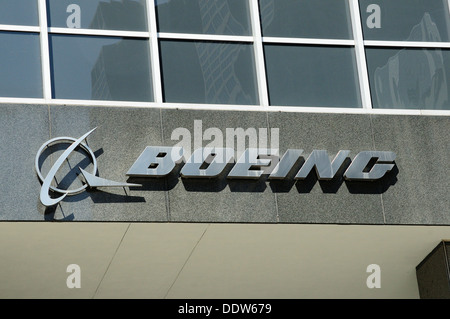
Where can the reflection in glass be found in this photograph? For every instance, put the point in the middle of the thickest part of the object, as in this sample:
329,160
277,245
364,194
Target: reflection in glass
19,12
20,65
312,76
407,20
208,72
229,17
409,78
100,68
99,14
327,19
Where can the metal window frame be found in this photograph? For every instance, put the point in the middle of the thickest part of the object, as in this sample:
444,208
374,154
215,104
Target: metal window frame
256,39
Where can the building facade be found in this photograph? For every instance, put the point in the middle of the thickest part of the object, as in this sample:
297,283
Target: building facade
256,131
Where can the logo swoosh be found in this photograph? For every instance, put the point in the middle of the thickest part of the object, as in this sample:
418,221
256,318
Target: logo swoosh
44,195
95,181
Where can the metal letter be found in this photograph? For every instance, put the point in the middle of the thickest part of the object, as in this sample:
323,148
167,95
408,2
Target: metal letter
319,160
286,163
379,169
216,158
156,161
249,160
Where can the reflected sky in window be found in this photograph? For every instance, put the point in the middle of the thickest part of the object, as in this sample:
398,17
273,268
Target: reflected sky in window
20,12
100,68
100,14
409,78
20,65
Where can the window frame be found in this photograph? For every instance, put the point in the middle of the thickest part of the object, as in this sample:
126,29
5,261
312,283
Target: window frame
256,39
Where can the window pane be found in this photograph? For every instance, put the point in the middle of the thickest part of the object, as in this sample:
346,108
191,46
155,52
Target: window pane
100,68
208,72
306,18
20,12
98,14
228,17
20,65
406,20
409,78
312,76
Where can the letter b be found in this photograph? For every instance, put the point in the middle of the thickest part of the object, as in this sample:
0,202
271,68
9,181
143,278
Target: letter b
156,161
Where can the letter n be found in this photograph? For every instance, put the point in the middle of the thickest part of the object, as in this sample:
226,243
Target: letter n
324,167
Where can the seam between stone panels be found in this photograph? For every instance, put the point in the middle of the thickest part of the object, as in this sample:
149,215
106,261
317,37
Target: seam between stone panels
269,137
50,133
374,147
161,125
49,121
166,184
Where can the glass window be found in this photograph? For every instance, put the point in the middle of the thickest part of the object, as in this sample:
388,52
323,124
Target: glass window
20,65
409,78
312,76
329,19
226,17
405,20
19,12
208,72
100,68
98,14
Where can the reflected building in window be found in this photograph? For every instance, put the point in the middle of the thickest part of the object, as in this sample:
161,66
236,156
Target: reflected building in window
217,62
99,79
414,78
221,68
122,70
116,14
267,9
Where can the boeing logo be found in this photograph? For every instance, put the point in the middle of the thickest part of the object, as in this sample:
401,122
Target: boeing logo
91,179
211,162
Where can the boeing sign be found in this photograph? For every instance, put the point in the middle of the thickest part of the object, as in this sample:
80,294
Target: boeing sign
211,162
91,179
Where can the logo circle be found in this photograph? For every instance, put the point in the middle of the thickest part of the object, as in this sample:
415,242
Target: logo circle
57,140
